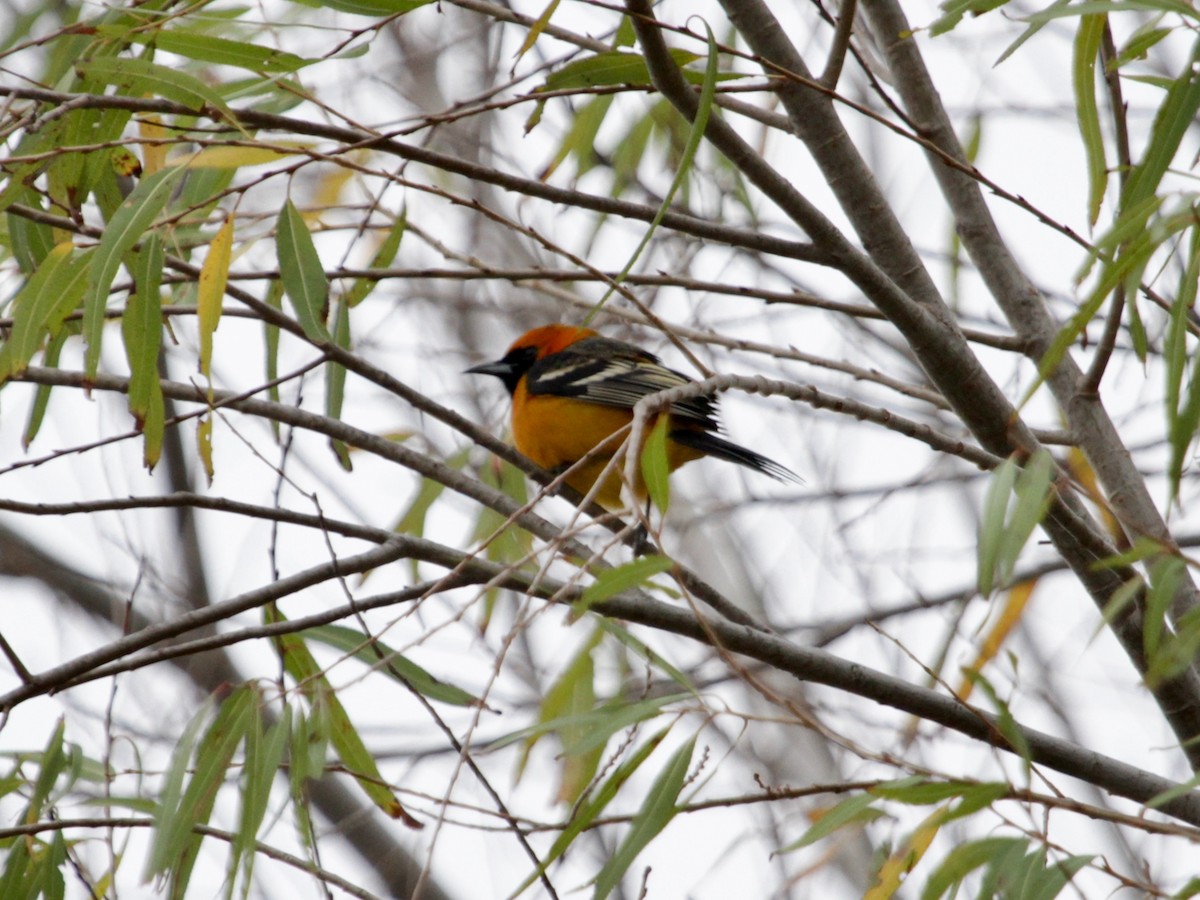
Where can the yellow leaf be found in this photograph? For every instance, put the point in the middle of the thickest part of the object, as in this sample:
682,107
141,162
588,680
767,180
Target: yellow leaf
237,157
204,445
1082,471
900,863
1010,615
537,28
211,291
329,186
154,154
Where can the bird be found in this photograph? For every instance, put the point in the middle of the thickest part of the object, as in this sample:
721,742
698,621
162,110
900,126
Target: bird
573,390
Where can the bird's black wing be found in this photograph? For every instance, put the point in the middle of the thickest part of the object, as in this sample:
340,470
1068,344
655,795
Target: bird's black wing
614,373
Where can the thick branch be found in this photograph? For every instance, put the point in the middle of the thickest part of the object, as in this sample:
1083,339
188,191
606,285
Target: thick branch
1016,295
896,281
805,663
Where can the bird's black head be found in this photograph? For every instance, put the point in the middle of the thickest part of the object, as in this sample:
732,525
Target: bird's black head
510,368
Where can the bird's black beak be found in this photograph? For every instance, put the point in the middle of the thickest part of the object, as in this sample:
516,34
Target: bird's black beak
510,369
501,368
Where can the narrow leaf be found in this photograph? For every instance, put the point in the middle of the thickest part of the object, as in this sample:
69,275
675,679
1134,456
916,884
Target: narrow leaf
137,76
204,446
963,860
141,327
1087,49
335,379
128,226
656,812
210,768
41,397
593,805
372,8
237,157
536,29
850,811
41,305
303,667
210,49
1174,118
164,845
383,258
302,274
210,293
656,466
620,578
374,652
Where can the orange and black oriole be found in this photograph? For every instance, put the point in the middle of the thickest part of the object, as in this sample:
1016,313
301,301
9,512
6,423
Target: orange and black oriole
573,390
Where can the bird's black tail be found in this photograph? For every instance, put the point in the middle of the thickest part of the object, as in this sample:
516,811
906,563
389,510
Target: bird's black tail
711,445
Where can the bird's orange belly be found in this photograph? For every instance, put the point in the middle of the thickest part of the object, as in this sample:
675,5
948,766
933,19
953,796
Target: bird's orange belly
556,432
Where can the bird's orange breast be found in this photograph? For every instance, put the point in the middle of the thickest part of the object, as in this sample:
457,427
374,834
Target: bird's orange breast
556,432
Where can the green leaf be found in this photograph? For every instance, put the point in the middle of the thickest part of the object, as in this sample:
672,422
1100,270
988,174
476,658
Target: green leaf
656,466
607,69
1016,503
850,811
1138,45
335,379
991,524
1174,118
140,76
1104,7
1006,724
918,791
302,274
128,226
206,48
141,327
41,305
954,10
210,767
373,651
273,299
1183,416
572,694
1033,492
646,653
373,8
1045,882
41,397
601,723
591,807
964,859
976,797
52,763
31,241
169,835
264,760
536,29
1166,573
351,750
656,812
1191,889
1169,652
611,582
412,521
1087,48
1180,790
384,256
236,156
